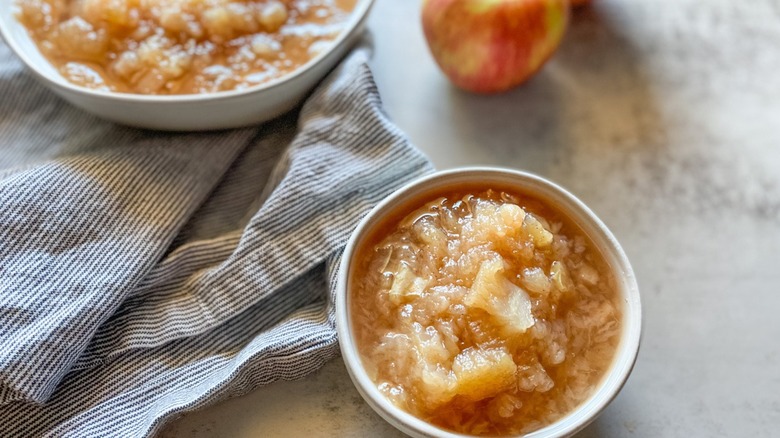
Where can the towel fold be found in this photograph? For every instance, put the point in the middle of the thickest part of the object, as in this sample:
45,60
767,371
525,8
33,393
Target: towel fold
146,274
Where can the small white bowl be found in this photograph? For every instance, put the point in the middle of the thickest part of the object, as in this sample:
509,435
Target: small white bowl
189,112
576,211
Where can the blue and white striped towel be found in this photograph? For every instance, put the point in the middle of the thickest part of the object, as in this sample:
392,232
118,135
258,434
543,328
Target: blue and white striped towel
145,274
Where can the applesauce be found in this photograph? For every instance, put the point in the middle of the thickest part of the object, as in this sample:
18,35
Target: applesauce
181,46
483,311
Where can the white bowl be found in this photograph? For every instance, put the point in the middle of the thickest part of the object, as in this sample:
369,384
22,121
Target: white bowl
193,112
627,350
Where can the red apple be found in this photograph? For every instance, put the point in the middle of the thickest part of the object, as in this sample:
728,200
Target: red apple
488,46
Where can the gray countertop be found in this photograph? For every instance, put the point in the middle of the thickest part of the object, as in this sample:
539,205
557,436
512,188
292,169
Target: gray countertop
664,117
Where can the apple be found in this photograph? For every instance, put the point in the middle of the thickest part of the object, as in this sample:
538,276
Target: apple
489,46
578,3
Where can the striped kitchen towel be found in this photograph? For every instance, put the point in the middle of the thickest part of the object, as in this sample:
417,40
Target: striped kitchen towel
145,274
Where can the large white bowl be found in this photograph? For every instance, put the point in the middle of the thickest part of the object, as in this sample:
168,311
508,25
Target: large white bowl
579,213
195,112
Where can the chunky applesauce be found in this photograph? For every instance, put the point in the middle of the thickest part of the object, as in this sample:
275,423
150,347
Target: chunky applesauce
180,46
484,312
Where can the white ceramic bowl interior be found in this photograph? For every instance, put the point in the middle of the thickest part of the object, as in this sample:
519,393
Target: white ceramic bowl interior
196,112
627,350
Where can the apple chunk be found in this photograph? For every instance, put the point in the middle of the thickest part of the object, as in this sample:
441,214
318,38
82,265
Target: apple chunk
483,373
506,303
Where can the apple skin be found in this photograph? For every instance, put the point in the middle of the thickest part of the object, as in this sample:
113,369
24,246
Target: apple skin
489,46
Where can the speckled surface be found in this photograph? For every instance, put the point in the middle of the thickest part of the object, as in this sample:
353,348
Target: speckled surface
664,117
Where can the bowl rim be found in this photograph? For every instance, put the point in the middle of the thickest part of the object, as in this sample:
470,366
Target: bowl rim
571,423
356,17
